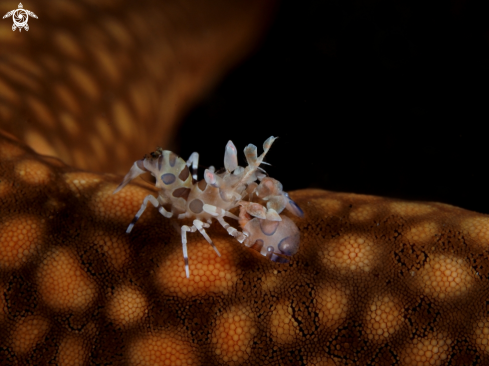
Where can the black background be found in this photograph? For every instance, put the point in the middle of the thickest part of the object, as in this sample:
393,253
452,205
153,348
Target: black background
375,97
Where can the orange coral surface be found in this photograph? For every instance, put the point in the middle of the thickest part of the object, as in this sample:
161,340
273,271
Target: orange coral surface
376,281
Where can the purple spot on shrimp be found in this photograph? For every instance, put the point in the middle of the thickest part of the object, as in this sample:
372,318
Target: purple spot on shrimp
289,245
269,227
196,206
173,159
168,178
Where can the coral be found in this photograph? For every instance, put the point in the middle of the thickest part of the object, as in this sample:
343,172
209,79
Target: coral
95,77
375,281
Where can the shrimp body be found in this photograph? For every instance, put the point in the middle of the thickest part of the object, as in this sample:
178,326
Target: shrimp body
219,192
276,240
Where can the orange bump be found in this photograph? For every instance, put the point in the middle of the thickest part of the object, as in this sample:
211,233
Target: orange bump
362,213
10,151
481,335
329,206
28,332
68,45
82,79
107,62
140,103
33,171
115,247
5,187
127,306
270,281
126,124
478,229
121,206
411,208
27,65
104,131
43,114
161,349
383,318
233,335
283,327
39,143
72,352
70,124
81,181
443,276
208,272
63,283
349,253
20,237
428,351
119,31
99,149
65,95
422,232
18,77
332,303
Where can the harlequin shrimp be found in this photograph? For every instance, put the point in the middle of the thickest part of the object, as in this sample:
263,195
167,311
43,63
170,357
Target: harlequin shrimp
263,229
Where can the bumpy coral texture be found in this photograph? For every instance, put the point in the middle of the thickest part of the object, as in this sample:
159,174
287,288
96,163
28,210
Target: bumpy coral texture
376,281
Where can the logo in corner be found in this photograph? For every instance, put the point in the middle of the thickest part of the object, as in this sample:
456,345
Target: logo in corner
20,17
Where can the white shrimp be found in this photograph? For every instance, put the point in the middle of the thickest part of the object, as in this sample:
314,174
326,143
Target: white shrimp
217,194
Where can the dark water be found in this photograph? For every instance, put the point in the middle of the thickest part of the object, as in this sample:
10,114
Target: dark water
380,97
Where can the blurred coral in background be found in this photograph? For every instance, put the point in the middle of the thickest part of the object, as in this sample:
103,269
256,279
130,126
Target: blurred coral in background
100,83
